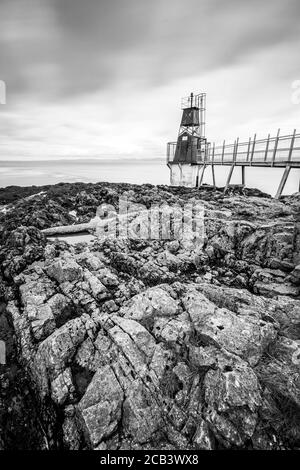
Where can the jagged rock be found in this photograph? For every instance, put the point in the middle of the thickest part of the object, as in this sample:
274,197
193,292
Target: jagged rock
232,394
71,433
55,351
2,290
203,439
162,358
295,275
274,290
66,270
174,246
62,387
155,302
101,406
88,260
175,330
287,313
142,415
157,344
244,336
97,288
22,237
135,357
276,263
108,278
42,321
281,370
23,246
141,337
233,399
59,304
232,388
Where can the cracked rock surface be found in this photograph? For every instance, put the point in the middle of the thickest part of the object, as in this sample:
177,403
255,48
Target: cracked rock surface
151,344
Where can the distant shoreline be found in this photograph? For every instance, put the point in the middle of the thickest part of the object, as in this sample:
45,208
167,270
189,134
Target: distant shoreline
83,161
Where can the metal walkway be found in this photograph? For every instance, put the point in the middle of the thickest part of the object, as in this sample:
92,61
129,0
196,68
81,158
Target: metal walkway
279,151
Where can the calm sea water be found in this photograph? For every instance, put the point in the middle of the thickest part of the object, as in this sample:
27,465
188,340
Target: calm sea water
130,171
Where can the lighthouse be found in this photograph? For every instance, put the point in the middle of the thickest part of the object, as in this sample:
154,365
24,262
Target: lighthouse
190,150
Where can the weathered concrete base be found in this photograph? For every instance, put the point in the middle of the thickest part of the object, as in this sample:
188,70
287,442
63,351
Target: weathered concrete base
183,174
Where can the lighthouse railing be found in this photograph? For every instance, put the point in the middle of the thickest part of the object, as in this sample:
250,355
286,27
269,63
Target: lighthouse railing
276,150
171,149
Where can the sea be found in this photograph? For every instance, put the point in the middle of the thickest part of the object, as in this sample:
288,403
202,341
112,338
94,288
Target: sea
134,171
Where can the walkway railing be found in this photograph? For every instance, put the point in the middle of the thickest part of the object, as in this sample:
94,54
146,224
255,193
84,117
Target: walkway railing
272,151
279,151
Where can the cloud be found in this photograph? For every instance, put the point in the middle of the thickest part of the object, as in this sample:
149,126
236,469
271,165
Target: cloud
99,77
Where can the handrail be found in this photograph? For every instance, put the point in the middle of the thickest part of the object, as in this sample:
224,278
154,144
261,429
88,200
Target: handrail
268,152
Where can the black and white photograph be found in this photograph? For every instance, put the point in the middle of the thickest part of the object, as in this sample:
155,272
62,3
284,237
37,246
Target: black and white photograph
149,230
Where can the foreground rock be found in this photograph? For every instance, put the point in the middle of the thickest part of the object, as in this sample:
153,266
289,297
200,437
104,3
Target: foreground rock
140,344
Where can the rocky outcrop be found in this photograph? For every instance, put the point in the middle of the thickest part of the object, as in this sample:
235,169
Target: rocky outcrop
159,344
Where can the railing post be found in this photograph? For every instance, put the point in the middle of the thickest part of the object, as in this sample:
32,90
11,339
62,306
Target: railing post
209,153
233,152
267,148
213,153
275,147
253,148
223,150
206,148
248,150
292,146
206,154
236,149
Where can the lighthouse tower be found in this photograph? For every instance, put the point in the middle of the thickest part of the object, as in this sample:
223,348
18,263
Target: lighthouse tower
185,155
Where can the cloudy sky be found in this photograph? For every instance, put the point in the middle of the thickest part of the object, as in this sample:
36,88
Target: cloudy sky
104,78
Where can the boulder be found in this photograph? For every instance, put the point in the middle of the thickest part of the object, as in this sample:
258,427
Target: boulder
62,387
141,337
281,370
64,270
233,400
142,415
273,290
54,352
154,302
244,335
100,409
295,275
203,438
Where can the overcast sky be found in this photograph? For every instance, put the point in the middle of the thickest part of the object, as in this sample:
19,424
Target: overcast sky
104,78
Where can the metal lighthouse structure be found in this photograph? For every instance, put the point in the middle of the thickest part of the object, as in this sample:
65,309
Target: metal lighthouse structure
192,155
189,151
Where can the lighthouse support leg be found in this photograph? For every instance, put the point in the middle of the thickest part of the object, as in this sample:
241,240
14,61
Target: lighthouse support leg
213,176
229,177
202,175
197,176
243,175
283,181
